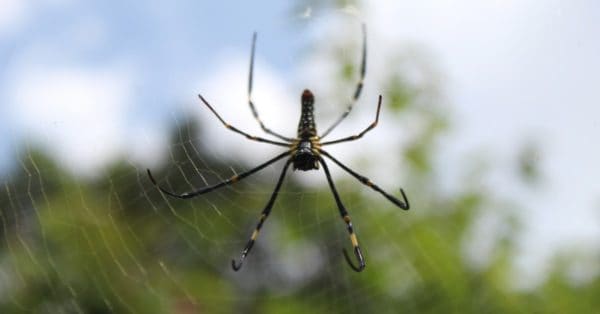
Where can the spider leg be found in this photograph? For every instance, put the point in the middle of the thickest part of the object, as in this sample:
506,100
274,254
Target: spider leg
236,130
364,180
359,135
254,112
263,217
346,218
229,181
359,85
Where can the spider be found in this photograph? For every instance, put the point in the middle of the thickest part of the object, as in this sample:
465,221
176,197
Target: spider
304,152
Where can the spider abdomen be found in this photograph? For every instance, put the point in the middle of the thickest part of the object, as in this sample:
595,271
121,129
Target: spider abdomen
306,126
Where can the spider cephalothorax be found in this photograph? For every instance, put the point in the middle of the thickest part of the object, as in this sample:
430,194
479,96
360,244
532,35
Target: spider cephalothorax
304,152
305,157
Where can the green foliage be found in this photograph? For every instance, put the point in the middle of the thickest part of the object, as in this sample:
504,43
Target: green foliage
117,245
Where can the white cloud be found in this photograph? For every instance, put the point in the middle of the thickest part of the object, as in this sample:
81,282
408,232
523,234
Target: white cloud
78,114
13,14
226,90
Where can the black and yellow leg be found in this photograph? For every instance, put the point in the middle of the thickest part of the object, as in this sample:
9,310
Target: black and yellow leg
252,108
359,84
236,130
359,135
346,218
357,251
263,217
229,181
364,180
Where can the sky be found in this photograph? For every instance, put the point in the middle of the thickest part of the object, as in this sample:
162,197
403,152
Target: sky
95,81
521,73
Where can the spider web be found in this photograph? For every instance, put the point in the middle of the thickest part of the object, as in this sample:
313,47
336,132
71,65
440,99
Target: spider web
113,243
101,245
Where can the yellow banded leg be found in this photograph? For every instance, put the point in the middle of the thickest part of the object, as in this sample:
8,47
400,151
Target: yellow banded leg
346,218
229,181
263,217
359,84
250,243
252,108
357,251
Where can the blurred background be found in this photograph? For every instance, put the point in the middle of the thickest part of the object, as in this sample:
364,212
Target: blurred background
489,122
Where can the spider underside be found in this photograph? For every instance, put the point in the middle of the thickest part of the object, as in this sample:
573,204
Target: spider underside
304,153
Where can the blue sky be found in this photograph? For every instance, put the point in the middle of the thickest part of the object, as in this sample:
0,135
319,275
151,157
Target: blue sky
96,81
157,51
